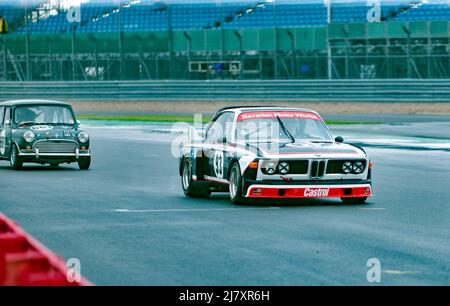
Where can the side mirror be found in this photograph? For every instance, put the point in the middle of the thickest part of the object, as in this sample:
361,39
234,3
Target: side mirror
223,140
78,122
339,139
7,122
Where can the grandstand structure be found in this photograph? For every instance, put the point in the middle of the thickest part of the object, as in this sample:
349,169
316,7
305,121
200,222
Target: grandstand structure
225,39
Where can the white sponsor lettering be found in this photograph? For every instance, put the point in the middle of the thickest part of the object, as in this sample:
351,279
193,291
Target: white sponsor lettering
269,115
316,192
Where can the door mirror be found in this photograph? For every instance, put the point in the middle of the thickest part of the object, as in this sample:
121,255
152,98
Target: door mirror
223,140
339,139
7,122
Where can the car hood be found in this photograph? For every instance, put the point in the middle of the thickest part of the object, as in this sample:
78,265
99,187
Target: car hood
308,149
54,132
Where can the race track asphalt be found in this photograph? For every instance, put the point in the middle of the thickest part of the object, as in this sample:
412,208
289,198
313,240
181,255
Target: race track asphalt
129,223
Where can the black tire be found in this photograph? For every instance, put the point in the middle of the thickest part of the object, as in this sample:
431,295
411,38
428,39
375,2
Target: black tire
354,201
84,163
190,187
14,159
235,180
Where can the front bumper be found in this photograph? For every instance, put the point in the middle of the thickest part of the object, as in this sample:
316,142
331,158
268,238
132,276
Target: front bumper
53,156
291,191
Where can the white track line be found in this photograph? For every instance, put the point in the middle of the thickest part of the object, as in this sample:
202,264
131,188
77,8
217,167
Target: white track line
374,208
399,272
122,210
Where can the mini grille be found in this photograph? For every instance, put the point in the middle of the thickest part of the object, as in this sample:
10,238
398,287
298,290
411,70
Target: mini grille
55,147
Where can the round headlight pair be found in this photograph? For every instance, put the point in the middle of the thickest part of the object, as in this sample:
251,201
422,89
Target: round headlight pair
271,167
29,136
83,137
356,167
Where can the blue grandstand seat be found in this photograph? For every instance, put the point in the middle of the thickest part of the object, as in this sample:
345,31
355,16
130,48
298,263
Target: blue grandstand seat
152,15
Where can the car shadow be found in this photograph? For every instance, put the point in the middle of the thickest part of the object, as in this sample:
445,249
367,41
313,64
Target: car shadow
224,199
35,168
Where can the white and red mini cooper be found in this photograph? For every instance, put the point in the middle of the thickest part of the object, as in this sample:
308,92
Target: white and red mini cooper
273,152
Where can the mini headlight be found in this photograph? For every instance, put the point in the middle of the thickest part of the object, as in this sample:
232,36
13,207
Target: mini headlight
283,167
347,167
271,167
83,137
358,167
29,136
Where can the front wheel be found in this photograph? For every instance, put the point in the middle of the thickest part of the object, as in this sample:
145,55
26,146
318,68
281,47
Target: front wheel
84,163
190,188
236,185
15,160
355,201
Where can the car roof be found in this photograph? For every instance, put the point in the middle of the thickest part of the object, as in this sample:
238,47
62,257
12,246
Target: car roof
32,102
263,108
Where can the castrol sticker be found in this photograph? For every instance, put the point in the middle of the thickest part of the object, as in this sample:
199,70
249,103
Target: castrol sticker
274,115
316,192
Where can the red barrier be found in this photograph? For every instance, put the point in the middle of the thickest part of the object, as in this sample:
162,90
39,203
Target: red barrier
26,262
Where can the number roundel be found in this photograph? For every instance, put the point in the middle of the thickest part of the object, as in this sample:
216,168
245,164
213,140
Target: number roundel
2,142
218,164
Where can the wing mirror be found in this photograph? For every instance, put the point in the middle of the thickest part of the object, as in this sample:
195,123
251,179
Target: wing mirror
339,139
7,122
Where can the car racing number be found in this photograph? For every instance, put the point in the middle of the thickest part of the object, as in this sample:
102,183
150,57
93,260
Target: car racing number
2,142
218,164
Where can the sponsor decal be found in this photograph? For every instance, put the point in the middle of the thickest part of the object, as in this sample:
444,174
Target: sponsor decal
41,127
316,192
273,114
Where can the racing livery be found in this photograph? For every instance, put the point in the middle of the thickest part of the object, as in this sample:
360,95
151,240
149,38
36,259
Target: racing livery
264,152
41,131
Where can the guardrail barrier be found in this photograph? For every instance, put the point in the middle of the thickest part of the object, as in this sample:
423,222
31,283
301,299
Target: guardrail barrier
242,90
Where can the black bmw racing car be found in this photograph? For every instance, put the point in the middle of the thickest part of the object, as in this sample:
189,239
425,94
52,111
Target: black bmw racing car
273,152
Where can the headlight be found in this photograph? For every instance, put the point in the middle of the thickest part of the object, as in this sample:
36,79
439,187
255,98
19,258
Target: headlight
347,167
271,167
83,137
29,136
358,167
283,167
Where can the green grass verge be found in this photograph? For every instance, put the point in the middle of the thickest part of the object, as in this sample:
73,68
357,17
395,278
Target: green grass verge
175,118
143,118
